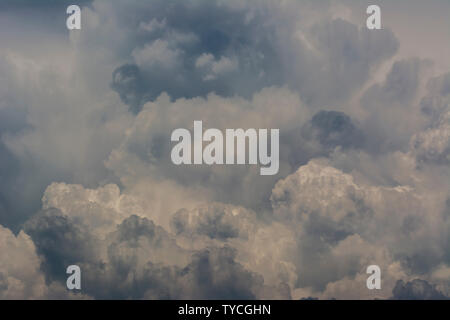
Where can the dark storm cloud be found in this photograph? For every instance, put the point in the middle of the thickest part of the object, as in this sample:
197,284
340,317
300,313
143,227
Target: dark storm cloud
214,273
334,128
8,171
272,65
129,84
321,135
198,47
60,241
12,121
193,48
214,222
133,228
416,289
132,268
214,48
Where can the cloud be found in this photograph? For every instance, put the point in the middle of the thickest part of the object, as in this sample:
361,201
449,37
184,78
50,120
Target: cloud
385,125
186,57
334,128
433,145
216,221
91,120
34,155
62,242
334,214
213,68
346,56
136,258
127,82
87,178
416,289
20,274
158,54
144,155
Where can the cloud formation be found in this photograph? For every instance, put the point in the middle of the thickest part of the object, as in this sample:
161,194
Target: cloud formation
85,147
416,290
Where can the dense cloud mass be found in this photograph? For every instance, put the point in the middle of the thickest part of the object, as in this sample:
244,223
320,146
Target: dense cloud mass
86,118
417,290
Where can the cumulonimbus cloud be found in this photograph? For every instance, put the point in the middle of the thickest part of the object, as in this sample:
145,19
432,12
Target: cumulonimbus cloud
87,177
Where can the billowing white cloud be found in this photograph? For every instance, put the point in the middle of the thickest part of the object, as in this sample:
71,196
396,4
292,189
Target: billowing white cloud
344,225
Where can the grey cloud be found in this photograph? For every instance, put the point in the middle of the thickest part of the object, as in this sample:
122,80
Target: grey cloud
29,160
133,228
128,83
386,126
432,145
20,274
60,241
339,220
148,145
334,128
141,261
252,37
400,84
437,97
12,121
212,226
188,31
347,56
3,283
217,221
43,3
416,289
214,273
326,132
324,218
258,50
377,195
33,17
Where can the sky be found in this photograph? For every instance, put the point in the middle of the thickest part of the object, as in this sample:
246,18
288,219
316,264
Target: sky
86,176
